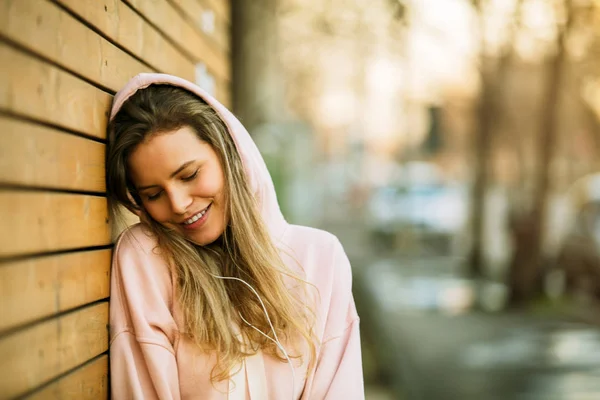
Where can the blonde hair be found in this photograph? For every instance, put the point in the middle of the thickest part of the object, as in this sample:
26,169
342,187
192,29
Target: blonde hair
245,251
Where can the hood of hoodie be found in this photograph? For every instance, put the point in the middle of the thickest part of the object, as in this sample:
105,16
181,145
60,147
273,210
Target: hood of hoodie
254,165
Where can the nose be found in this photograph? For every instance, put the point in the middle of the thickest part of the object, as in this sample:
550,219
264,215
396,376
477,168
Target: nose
180,201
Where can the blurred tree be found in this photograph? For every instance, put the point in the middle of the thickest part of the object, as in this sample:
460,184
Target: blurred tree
529,228
434,141
492,74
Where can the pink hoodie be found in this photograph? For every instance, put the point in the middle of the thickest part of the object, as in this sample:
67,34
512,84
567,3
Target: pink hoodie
151,360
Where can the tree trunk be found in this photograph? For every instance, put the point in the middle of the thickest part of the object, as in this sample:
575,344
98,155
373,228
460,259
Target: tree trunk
492,82
482,150
525,276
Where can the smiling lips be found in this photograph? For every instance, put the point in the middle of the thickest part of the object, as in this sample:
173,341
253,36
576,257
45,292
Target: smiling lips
196,219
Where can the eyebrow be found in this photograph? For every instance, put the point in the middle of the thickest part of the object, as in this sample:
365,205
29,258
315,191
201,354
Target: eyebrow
181,168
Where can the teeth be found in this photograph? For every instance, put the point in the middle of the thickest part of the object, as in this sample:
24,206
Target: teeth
195,218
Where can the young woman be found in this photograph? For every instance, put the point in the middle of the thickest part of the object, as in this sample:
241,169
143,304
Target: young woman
214,295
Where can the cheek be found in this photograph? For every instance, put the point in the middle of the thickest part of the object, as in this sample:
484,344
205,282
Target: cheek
209,188
215,190
158,210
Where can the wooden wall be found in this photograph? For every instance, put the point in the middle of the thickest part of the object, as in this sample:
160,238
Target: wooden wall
61,61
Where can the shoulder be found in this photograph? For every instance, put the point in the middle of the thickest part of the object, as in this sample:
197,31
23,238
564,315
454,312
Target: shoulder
137,259
310,238
320,253
136,239
141,287
326,267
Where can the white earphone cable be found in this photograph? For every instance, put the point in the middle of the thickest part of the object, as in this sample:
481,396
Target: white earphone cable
276,340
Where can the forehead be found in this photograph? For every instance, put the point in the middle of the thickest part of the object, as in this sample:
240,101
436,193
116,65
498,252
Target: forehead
162,154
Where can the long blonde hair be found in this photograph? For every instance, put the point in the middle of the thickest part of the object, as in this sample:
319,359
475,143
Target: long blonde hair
245,251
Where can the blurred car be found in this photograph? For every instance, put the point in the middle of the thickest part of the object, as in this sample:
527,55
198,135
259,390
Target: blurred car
431,211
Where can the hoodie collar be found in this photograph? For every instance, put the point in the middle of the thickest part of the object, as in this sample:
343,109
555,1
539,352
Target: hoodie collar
254,165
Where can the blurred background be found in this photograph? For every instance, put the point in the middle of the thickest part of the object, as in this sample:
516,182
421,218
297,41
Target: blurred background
453,146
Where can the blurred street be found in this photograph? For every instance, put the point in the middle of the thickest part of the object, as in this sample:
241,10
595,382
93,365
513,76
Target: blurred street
454,148
428,342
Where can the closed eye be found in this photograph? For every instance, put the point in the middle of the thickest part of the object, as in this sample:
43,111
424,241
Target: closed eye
154,196
190,177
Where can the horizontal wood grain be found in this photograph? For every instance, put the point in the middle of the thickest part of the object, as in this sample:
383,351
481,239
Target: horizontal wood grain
38,90
89,382
196,11
45,29
221,7
123,26
33,356
163,15
38,156
39,287
35,222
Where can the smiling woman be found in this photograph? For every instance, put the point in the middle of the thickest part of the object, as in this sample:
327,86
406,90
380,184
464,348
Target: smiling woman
213,294
187,196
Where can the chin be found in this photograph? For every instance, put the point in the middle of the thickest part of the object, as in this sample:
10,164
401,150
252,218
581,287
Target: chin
203,239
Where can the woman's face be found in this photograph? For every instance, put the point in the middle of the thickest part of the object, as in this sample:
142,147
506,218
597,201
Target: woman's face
181,183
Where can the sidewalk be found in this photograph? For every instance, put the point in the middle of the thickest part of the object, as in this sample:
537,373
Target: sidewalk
426,353
430,355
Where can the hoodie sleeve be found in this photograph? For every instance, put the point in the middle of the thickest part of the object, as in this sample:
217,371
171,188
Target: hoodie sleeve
338,372
143,331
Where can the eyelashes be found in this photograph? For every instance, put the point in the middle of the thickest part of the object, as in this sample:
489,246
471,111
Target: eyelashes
191,177
154,196
185,179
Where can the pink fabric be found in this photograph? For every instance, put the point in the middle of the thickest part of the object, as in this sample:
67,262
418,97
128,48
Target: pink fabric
150,356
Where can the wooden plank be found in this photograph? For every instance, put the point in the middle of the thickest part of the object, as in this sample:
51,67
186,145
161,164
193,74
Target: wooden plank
34,356
223,30
89,382
221,7
225,94
207,22
123,26
34,222
167,19
35,89
222,10
40,287
51,32
34,155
